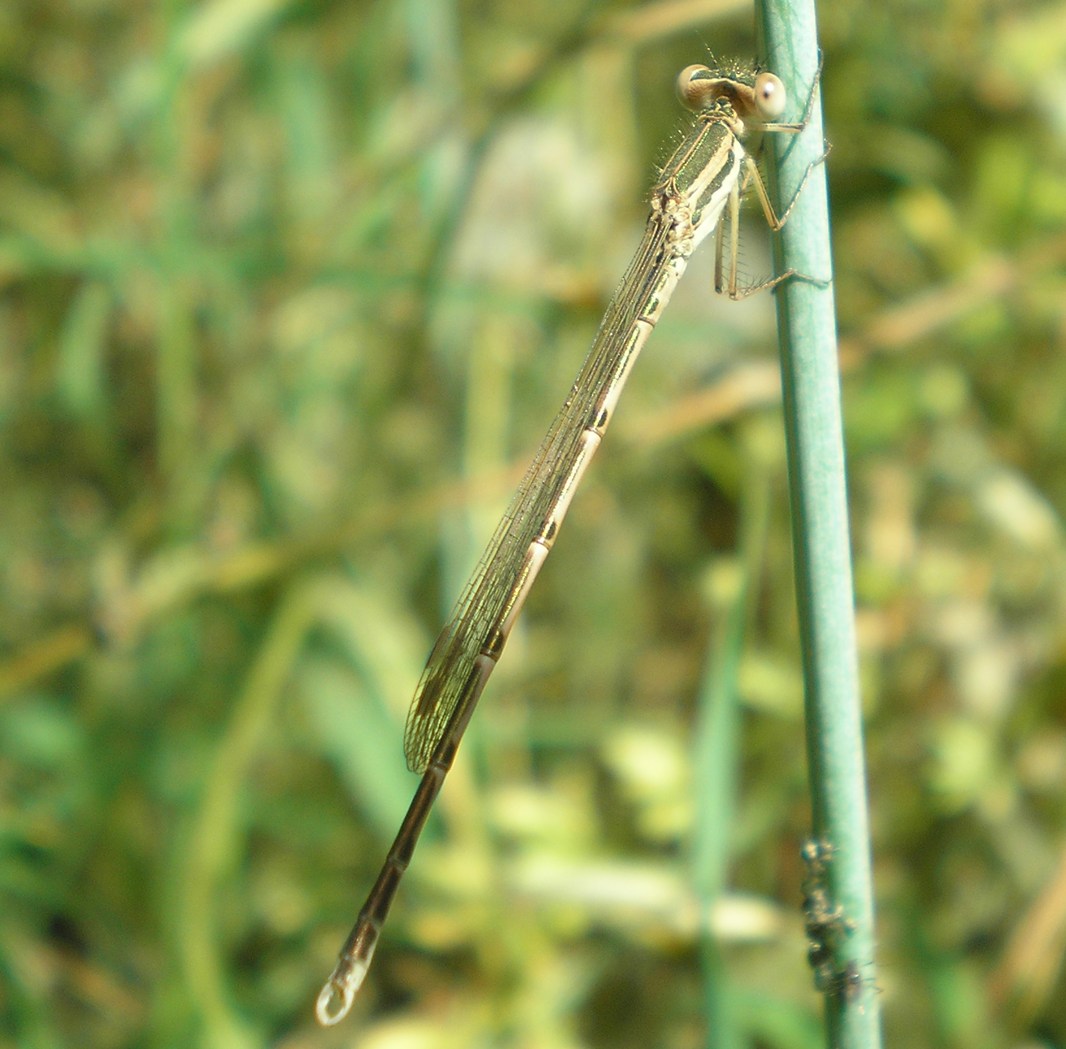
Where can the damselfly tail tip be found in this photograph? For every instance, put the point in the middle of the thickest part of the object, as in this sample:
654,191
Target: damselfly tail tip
334,1001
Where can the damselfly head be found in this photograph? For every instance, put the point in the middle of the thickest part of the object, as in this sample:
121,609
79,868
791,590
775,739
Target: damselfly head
760,97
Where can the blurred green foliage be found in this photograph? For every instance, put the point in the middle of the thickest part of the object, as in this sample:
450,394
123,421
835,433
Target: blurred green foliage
289,292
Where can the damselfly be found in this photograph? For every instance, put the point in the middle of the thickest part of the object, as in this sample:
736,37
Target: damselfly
698,191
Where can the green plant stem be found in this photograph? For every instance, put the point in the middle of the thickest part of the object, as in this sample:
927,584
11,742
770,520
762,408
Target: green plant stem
811,389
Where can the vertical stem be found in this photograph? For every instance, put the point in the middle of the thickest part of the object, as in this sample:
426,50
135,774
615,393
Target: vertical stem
811,386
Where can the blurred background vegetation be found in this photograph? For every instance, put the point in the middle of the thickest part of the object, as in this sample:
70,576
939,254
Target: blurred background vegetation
290,291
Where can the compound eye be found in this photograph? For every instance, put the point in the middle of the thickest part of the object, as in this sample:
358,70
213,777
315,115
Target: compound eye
770,96
696,86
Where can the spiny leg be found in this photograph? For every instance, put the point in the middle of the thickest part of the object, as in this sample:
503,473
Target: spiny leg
751,176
